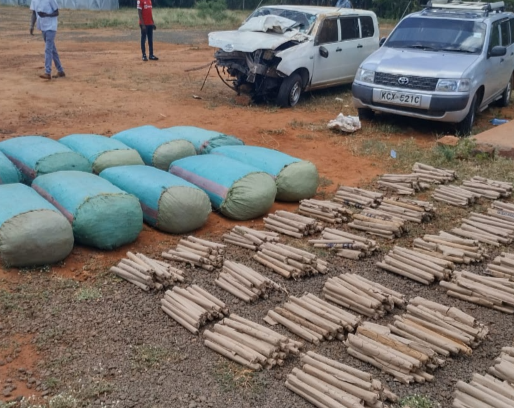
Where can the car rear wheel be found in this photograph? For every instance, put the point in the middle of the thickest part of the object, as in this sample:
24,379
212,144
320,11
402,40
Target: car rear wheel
464,127
365,113
507,92
290,91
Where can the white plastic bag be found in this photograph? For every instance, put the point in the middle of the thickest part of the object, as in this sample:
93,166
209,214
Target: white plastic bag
347,124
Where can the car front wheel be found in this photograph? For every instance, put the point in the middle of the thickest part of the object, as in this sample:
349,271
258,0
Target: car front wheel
464,127
507,92
290,91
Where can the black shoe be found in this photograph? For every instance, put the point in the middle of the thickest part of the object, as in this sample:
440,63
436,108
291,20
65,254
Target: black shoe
145,59
154,58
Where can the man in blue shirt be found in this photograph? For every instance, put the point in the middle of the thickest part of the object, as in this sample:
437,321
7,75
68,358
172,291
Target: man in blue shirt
344,4
45,13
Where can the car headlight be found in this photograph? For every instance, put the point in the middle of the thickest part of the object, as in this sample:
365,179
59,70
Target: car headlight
365,75
453,85
228,47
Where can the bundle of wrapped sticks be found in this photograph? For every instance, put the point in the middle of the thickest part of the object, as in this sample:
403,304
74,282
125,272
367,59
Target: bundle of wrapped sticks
447,321
249,238
147,273
502,266
375,222
347,245
489,229
494,389
454,195
327,211
328,383
291,224
362,295
488,291
290,262
192,307
430,174
313,319
408,210
357,197
491,189
197,252
245,283
402,184
452,248
417,264
250,344
405,359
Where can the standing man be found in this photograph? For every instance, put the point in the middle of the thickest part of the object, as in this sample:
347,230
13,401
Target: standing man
45,12
144,9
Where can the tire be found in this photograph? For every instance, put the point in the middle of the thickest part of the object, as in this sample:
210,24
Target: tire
365,113
290,91
464,127
507,92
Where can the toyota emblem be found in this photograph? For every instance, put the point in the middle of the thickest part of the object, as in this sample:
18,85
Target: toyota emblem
403,80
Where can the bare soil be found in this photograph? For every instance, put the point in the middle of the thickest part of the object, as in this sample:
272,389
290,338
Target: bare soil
74,328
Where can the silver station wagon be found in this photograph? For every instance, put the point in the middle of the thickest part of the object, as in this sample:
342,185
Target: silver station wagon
282,51
445,63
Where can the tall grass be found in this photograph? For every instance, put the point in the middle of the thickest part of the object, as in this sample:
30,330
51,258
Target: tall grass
164,18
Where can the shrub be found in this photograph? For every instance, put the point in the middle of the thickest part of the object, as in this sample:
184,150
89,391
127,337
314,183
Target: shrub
215,9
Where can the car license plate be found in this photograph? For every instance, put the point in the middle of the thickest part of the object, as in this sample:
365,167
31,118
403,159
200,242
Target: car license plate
400,98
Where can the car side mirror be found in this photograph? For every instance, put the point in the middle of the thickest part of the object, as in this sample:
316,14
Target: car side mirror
323,52
382,41
498,51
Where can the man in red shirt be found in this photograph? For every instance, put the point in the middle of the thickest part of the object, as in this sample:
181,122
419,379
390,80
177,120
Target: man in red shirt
144,9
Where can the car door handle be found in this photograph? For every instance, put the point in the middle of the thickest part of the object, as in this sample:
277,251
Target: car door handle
339,49
502,60
359,46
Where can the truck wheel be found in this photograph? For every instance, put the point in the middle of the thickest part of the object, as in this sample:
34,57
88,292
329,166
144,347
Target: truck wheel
290,91
507,92
464,127
365,113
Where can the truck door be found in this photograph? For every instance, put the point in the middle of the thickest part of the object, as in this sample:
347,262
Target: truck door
327,70
495,66
354,48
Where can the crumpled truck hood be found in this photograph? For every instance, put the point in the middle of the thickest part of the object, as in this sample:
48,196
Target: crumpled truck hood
249,41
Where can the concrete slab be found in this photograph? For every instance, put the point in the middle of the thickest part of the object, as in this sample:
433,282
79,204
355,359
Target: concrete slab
500,137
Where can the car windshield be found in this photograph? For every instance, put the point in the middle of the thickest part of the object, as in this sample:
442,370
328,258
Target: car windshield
432,34
304,21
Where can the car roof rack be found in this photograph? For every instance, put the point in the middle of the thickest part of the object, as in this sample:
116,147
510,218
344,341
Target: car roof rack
486,8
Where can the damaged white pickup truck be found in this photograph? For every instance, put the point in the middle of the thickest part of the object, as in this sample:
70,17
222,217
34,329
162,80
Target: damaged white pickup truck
281,51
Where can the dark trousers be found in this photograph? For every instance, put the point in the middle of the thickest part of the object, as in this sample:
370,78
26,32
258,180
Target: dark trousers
144,34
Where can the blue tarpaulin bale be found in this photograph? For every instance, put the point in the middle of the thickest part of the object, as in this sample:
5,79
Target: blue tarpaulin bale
102,215
204,140
157,147
32,231
168,202
38,155
8,171
296,179
239,191
102,152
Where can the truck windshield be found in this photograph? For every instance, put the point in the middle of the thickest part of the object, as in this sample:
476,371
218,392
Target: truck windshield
304,21
440,34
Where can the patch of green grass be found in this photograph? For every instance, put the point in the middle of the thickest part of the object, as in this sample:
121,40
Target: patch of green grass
232,377
57,401
51,383
274,132
94,389
88,293
146,356
416,401
324,182
7,301
164,18
306,136
310,126
44,338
